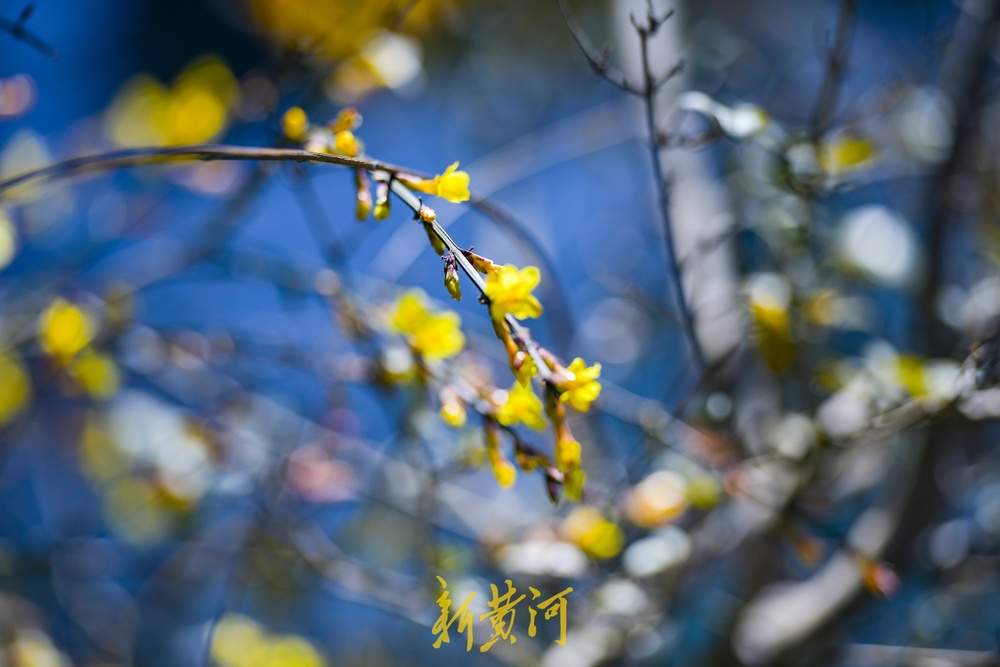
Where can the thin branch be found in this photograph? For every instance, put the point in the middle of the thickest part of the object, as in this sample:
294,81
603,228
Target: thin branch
598,63
520,333
134,157
651,85
833,76
18,30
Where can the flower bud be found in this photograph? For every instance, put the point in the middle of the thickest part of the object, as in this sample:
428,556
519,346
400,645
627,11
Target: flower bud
434,239
348,119
363,205
382,200
451,281
294,124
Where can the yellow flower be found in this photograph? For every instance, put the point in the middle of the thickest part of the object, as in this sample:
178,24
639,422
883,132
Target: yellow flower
409,313
452,409
573,483
348,119
453,414
703,491
522,406
509,291
452,185
504,472
193,110
567,453
587,528
95,373
584,388
295,124
659,498
64,329
345,143
15,387
439,336
235,640
434,335
524,367
288,651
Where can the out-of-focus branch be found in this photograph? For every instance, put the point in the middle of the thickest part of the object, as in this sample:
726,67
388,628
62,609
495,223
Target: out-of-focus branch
598,62
19,31
135,157
833,75
647,91
901,519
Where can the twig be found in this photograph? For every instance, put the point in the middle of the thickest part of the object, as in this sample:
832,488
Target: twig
598,63
133,157
833,76
518,331
18,30
651,85
647,91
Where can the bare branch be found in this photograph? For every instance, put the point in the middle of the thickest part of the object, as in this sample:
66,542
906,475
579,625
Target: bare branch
598,63
18,30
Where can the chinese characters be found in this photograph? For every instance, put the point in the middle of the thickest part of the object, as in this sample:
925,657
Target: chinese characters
501,614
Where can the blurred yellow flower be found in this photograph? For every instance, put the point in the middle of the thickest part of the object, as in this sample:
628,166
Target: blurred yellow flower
587,528
452,185
295,124
911,374
96,374
845,154
773,333
135,512
504,472
340,28
195,109
439,336
288,651
567,453
434,335
31,648
15,387
703,491
453,413
583,389
409,312
347,119
64,329
660,497
8,239
573,483
99,454
509,291
345,143
522,406
236,641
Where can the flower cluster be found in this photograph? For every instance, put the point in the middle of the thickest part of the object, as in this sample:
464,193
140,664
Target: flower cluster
336,137
508,290
66,333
